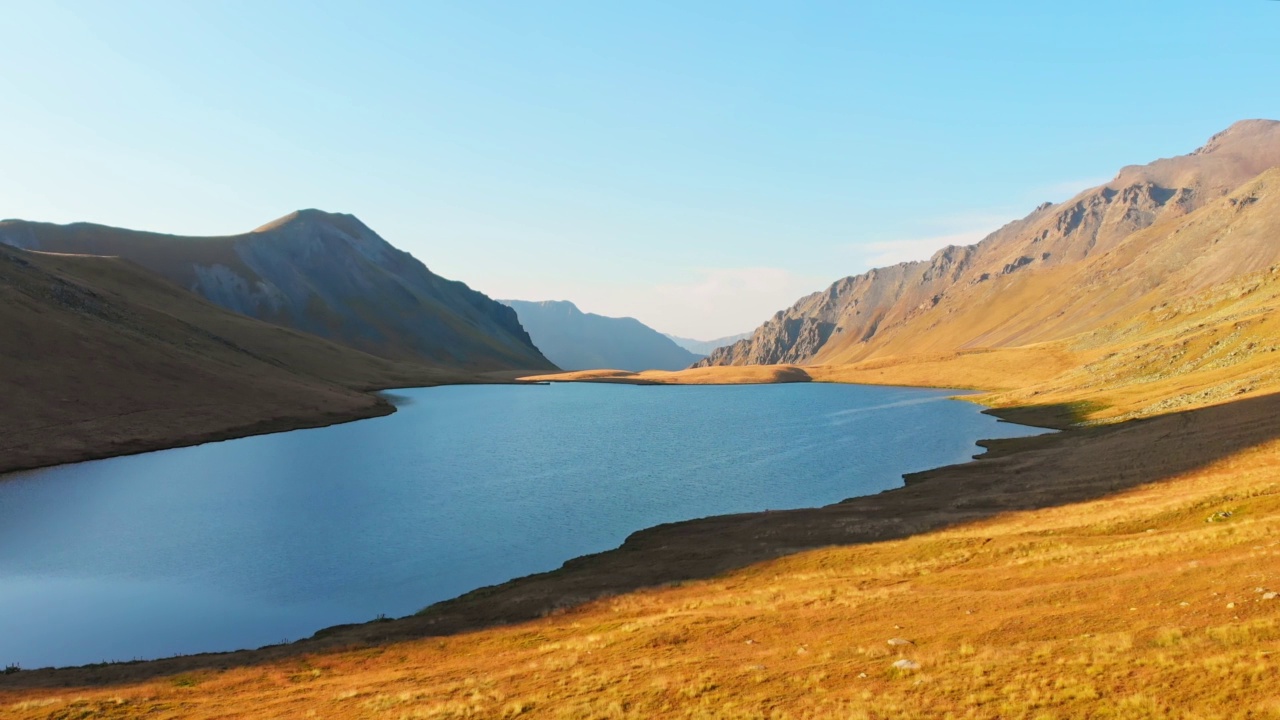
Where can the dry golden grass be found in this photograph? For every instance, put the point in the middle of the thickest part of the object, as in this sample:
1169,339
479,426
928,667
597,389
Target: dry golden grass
1217,345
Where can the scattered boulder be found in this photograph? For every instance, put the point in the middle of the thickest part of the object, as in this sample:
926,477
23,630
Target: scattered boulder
898,642
905,664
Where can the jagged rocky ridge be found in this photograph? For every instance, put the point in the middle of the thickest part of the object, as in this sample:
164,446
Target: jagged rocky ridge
1060,270
323,273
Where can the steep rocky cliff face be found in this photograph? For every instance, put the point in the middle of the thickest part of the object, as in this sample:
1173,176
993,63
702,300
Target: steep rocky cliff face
322,273
1062,269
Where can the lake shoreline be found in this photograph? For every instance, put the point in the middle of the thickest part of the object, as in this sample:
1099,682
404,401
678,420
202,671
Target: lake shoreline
161,436
578,580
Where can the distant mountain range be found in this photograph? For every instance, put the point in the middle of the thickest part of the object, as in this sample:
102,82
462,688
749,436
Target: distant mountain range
705,347
1151,237
575,340
321,273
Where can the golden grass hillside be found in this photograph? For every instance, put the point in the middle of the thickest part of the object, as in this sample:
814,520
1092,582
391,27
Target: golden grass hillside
1155,234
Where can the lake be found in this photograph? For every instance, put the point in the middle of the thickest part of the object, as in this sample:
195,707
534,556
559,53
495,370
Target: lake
265,539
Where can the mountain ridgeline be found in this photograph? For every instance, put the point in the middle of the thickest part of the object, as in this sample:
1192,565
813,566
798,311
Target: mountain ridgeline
1154,234
101,357
575,340
322,273
706,347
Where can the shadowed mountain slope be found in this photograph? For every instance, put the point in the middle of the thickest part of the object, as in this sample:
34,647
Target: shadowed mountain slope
706,347
100,357
322,273
1156,233
575,340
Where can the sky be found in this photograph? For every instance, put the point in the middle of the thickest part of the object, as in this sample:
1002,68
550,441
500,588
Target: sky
697,165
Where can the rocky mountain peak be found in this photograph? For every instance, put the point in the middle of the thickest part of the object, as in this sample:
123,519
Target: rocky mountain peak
311,219
1245,132
904,306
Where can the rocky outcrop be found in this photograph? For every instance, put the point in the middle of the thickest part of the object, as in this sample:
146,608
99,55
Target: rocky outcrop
323,273
1005,289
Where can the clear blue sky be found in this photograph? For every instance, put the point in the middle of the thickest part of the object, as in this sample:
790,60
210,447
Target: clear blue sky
697,165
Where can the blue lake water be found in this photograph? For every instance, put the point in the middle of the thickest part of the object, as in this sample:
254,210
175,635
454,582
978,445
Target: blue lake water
255,541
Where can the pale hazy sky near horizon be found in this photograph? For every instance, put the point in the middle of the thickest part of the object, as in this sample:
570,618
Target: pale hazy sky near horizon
696,165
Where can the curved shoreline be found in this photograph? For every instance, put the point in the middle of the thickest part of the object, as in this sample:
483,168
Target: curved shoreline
476,609
378,405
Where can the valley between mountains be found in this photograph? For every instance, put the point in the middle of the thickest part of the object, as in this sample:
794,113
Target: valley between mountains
1132,558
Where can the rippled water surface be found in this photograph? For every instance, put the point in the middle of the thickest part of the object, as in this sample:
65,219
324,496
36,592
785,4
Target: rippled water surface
254,541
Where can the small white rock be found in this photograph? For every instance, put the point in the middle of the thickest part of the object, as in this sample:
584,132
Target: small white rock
896,642
1270,595
905,664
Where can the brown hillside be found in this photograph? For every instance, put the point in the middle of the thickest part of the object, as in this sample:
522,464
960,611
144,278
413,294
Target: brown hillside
322,273
99,357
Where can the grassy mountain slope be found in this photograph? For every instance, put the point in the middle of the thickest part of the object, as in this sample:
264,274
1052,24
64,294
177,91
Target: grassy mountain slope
321,273
575,340
100,357
1155,233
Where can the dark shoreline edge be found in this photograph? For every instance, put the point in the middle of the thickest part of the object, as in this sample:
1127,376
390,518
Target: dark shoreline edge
381,405
470,611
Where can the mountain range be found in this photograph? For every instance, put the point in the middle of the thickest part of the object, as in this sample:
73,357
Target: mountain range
1155,234
706,347
322,273
575,340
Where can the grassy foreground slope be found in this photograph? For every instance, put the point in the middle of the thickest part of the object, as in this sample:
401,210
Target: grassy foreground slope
99,357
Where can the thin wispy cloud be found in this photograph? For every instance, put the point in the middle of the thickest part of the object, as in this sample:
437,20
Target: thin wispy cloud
722,301
958,229
892,252
1067,189
965,228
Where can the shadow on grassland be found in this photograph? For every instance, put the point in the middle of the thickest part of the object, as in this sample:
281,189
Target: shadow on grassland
1026,474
